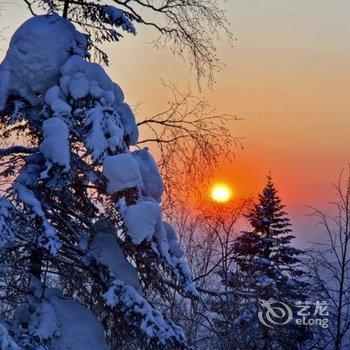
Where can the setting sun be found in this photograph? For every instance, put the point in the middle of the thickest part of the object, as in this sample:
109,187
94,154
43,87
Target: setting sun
221,193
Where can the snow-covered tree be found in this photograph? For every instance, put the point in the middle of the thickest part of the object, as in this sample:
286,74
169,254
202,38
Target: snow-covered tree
82,239
267,268
189,28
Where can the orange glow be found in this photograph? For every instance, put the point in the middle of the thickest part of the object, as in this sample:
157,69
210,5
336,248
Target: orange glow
221,193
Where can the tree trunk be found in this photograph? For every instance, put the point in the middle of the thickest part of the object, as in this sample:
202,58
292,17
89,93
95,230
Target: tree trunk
36,261
65,9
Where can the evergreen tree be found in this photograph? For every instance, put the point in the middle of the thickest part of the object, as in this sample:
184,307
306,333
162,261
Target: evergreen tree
264,254
268,269
82,240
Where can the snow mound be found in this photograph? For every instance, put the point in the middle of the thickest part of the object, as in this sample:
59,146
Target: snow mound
55,100
122,171
141,220
6,342
64,324
128,119
168,245
37,50
110,121
80,73
174,246
162,242
45,323
55,146
151,178
79,328
106,131
105,249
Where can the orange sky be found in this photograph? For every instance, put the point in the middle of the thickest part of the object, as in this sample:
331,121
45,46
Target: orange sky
287,76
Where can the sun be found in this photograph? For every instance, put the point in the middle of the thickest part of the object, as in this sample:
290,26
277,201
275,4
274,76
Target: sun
221,192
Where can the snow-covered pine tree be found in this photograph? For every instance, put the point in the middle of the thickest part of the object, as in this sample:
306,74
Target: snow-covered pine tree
82,241
189,28
267,268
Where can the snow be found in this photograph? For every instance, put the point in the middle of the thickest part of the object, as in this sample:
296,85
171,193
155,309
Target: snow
103,123
95,91
106,131
45,64
190,287
55,146
52,94
105,249
64,324
162,242
45,61
122,171
64,85
264,261
79,328
55,99
118,18
48,237
116,134
5,72
30,67
174,246
265,281
124,297
91,72
141,220
128,119
45,324
118,93
28,197
79,86
170,231
169,248
96,140
60,107
6,342
151,178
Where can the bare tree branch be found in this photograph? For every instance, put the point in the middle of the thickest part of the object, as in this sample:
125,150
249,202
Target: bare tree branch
329,263
191,138
188,28
16,149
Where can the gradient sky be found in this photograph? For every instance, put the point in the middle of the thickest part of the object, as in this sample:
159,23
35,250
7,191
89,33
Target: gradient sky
287,76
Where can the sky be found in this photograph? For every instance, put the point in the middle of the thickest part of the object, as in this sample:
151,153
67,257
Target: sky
287,75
